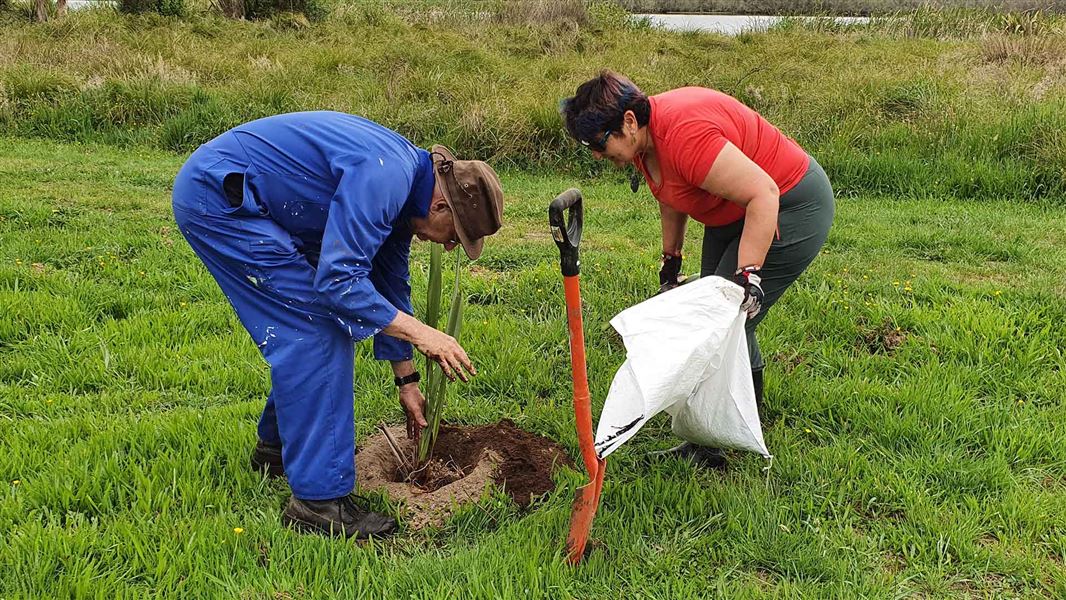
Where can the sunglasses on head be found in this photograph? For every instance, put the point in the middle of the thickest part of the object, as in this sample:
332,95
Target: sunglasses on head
601,145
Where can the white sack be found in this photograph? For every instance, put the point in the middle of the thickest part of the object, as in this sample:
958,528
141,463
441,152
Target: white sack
687,355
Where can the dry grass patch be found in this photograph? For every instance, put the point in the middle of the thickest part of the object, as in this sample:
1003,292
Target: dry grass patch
520,12
1022,50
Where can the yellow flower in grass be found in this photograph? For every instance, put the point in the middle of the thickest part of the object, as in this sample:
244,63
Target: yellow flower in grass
16,482
238,530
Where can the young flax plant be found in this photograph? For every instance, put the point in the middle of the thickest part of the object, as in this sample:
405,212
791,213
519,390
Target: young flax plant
436,382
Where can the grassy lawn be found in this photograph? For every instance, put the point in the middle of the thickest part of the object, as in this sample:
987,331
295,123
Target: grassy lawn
915,409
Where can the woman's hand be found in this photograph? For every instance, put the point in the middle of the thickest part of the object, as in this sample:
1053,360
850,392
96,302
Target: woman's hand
748,278
669,270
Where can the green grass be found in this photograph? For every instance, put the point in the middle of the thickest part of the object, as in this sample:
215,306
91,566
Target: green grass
916,389
129,396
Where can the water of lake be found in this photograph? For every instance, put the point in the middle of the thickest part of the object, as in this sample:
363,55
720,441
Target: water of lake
729,24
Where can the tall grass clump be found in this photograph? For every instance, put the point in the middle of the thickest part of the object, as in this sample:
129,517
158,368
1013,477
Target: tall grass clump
543,11
960,22
203,119
1029,51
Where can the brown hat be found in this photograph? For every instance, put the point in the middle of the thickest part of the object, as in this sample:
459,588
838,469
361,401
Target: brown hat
474,193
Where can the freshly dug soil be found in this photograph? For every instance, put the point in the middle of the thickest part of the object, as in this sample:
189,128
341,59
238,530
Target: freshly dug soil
466,459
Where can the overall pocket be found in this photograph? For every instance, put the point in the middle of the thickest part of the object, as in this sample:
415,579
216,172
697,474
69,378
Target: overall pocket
227,191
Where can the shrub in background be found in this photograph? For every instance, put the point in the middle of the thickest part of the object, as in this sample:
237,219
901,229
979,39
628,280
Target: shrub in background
314,10
169,8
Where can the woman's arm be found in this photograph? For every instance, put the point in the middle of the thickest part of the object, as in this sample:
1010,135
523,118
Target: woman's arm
736,178
673,222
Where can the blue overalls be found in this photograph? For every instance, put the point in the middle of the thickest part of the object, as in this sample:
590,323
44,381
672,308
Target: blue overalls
302,219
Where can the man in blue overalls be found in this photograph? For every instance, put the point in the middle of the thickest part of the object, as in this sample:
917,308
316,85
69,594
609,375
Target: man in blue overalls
305,221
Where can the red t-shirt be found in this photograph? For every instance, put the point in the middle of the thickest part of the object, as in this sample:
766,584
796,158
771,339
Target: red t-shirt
689,127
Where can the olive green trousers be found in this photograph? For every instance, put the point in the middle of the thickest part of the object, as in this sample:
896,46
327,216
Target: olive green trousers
804,218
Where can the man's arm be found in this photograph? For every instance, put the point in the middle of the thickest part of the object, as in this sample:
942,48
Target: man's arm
411,399
403,368
360,219
391,277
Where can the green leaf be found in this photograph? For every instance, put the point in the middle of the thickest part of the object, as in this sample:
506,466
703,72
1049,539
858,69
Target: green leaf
436,386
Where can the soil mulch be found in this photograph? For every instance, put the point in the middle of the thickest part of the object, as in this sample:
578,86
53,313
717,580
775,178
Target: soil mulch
884,339
466,460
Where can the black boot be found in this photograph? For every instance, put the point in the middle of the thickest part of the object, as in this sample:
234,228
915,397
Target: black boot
338,517
266,458
756,380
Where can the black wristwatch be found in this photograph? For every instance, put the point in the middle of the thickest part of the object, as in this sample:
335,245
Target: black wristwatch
412,378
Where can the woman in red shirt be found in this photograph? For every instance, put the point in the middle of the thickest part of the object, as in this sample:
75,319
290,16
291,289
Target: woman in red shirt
765,204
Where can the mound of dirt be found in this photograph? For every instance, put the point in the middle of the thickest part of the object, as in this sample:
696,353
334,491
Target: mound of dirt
884,339
466,459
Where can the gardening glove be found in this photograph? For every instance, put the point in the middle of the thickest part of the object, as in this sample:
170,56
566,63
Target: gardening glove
668,272
748,278
414,406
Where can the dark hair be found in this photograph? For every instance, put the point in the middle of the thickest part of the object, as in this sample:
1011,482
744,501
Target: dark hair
600,103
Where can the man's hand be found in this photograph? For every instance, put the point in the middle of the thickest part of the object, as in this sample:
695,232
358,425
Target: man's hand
447,352
436,345
669,269
414,406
